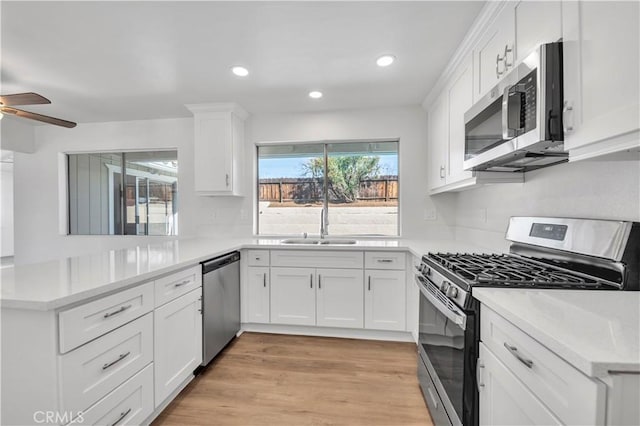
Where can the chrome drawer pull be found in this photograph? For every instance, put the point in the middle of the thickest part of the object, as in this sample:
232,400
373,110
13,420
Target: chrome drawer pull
514,351
120,358
122,309
122,416
264,279
182,283
385,260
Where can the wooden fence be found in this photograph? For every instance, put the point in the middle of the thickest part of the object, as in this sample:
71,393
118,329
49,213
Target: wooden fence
384,188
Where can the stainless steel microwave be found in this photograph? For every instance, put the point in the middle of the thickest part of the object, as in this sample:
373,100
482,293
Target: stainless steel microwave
517,126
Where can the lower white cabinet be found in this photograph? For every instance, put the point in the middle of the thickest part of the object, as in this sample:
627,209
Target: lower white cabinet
129,404
258,286
339,298
178,342
385,300
293,296
504,399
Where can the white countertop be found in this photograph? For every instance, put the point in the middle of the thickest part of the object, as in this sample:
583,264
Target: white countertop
595,331
56,284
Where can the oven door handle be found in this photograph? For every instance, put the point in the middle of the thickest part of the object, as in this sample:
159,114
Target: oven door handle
457,317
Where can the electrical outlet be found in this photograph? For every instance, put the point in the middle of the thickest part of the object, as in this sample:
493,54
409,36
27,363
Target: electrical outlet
430,214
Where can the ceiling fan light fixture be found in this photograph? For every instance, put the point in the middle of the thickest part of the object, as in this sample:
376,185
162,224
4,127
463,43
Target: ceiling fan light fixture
315,94
240,71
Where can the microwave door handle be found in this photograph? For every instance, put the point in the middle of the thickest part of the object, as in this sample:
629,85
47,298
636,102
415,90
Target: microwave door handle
507,132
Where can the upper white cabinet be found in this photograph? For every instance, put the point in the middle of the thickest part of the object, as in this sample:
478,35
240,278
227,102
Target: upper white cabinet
218,148
460,100
537,22
494,53
438,134
601,78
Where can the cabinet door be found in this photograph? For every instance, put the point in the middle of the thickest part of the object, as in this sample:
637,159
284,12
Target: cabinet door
258,294
601,75
293,296
537,22
460,100
177,343
504,399
384,300
213,151
340,298
489,54
438,134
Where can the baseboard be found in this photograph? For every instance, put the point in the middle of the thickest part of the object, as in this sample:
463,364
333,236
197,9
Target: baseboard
347,333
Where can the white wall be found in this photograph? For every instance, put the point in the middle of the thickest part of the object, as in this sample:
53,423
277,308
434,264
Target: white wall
17,135
37,192
588,189
6,209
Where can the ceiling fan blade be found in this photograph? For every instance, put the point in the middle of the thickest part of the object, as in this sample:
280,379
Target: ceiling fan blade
38,117
23,99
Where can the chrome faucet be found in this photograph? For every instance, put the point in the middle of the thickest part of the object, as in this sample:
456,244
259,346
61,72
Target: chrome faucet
324,223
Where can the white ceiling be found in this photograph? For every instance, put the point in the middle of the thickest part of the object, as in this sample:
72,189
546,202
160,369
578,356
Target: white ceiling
111,61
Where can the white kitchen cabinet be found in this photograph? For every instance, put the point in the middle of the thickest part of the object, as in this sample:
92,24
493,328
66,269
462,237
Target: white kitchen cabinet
339,298
177,342
460,94
293,296
504,399
385,300
601,78
258,287
438,140
218,148
494,54
537,22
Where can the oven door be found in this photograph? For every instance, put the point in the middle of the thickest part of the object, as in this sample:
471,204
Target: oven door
445,345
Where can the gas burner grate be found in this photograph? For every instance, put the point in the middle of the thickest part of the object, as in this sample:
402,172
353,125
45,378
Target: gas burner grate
509,270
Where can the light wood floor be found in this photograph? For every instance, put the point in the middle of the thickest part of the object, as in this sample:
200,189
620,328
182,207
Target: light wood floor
269,379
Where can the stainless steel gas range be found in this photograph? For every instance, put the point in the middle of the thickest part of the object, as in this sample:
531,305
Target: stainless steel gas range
546,253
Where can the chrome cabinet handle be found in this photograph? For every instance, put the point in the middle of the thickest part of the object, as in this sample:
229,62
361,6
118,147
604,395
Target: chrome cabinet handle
479,365
369,282
442,172
566,111
226,177
319,281
433,398
122,309
311,281
507,50
498,60
514,351
385,260
182,283
264,280
120,358
122,416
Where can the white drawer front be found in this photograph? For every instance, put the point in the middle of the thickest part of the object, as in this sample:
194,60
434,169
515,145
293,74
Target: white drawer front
93,319
555,382
175,285
258,257
130,404
384,260
90,372
317,259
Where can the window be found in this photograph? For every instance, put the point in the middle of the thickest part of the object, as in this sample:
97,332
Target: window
139,199
360,191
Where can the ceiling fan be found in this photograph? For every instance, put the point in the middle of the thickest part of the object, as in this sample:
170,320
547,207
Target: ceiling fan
8,101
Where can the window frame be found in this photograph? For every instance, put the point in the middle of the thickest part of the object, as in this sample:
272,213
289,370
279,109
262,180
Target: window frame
65,189
325,143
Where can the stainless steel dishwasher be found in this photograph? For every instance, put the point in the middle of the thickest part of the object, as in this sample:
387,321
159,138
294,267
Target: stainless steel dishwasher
220,303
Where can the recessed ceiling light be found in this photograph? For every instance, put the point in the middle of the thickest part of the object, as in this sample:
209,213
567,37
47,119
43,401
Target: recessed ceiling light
315,94
240,71
385,60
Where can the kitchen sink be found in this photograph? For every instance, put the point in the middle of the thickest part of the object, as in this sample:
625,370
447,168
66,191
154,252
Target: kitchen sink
317,241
